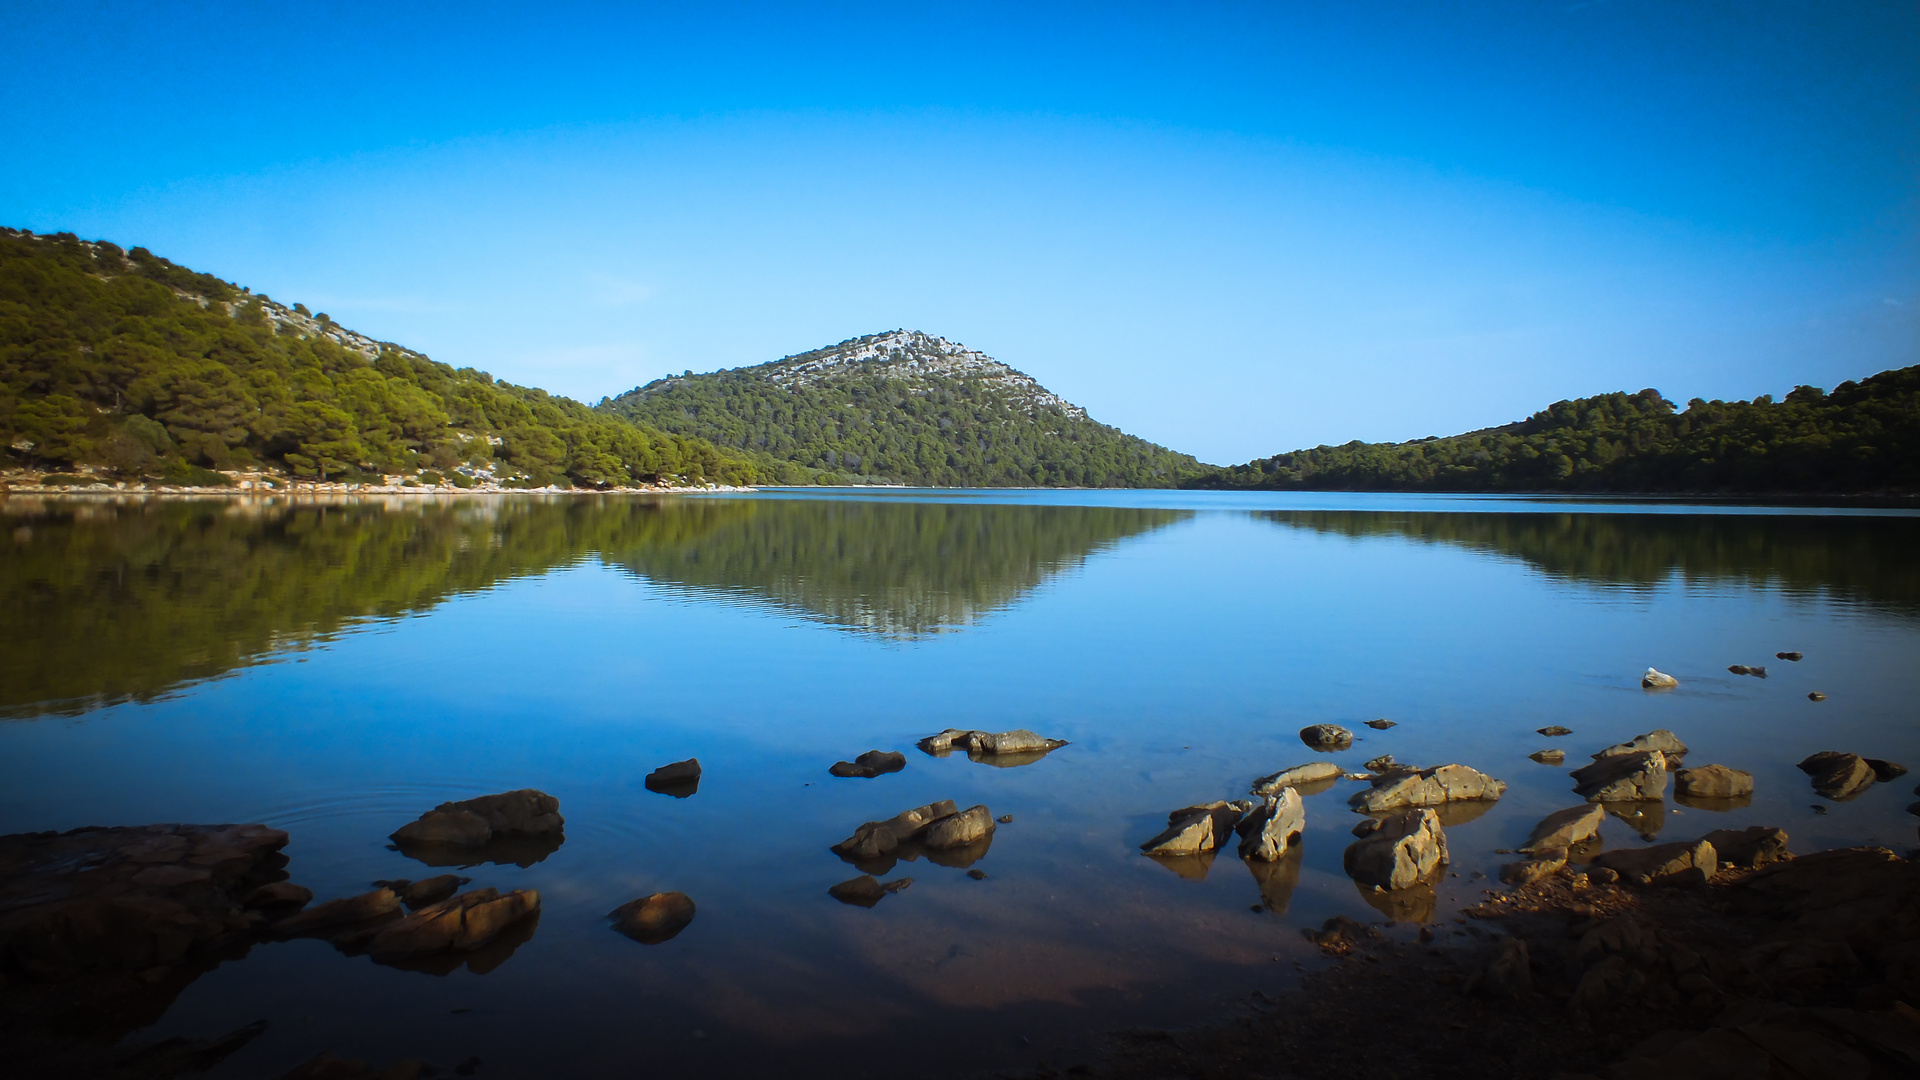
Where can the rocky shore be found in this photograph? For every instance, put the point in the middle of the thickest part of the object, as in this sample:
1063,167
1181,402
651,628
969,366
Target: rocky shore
255,483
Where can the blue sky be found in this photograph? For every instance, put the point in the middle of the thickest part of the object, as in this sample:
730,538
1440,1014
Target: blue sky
1232,228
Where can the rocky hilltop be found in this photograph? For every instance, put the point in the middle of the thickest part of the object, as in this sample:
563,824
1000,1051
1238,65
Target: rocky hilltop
901,407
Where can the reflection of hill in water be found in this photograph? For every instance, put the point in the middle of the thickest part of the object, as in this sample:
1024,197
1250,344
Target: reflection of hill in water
1865,559
111,601
900,570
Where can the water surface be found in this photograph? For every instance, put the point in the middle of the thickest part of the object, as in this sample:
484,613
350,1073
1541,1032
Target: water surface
336,667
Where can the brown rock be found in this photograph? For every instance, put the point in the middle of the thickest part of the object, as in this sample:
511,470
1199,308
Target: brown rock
1662,863
1428,787
1313,772
1543,862
879,837
1755,846
1017,741
1552,730
1713,782
1406,849
1623,778
870,764
431,890
1271,828
472,823
653,919
1562,829
1549,757
957,830
278,894
1794,656
337,913
1381,725
1326,738
864,891
1838,776
1661,739
1194,829
1885,771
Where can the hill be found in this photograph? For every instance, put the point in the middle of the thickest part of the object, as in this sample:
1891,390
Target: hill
1864,437
124,360
901,407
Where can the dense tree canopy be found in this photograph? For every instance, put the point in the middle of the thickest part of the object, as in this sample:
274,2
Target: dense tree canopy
886,422
123,359
1862,437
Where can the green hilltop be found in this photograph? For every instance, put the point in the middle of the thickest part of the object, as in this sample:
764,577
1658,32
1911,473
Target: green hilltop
123,360
1863,437
901,407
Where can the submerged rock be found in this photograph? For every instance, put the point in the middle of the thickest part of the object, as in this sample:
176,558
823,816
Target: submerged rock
1754,846
865,891
459,924
653,919
1838,776
1314,772
1017,741
1428,787
1663,864
430,890
969,826
1326,738
870,764
1269,831
1405,850
1623,778
1548,757
880,837
1381,725
1194,829
679,779
1658,680
1712,782
474,823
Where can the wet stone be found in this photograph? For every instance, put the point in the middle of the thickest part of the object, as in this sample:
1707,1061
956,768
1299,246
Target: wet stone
1553,730
1838,776
1712,782
1313,772
1326,738
1381,725
653,919
1549,757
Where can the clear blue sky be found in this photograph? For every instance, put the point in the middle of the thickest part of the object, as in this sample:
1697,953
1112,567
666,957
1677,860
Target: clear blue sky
1231,228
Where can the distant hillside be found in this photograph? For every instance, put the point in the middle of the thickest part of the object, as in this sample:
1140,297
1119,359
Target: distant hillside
1863,437
123,360
905,408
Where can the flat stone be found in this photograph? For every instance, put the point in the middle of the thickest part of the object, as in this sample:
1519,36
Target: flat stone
1623,778
1713,782
1662,863
1017,741
1326,738
431,890
1406,849
1270,829
1552,730
958,830
653,919
1300,775
1194,829
1549,757
1428,787
1381,725
340,912
1562,829
1838,776
1662,740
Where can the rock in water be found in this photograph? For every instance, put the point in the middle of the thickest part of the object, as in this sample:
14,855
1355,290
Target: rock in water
1406,850
1838,776
864,891
1755,846
958,830
1737,669
1662,740
1713,782
879,837
418,894
458,924
870,764
1885,771
1267,832
1623,778
1298,776
1564,828
1326,738
1428,787
278,894
1662,863
1794,656
1658,680
1017,741
653,919
1815,695
1552,730
1549,757
680,779
473,823
1381,725
1194,829
1542,863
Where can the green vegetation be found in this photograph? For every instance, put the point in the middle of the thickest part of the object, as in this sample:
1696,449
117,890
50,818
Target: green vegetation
900,408
125,361
1863,437
114,600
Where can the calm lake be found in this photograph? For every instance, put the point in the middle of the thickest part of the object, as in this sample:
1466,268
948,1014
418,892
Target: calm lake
337,667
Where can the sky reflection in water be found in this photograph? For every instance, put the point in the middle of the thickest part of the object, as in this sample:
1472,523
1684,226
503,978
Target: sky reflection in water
337,668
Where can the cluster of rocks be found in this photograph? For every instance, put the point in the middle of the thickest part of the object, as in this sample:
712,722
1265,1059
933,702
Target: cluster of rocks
1840,777
936,826
870,764
1267,829
1003,748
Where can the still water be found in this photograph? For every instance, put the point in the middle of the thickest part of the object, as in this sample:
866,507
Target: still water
335,668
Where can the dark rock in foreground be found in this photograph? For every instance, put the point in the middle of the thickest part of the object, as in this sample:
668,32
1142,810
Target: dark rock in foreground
870,764
474,823
653,919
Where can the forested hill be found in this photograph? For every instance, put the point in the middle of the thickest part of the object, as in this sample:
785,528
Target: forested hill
901,407
1863,437
123,360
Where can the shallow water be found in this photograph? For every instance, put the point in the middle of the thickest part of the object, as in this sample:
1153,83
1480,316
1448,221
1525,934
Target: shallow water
337,667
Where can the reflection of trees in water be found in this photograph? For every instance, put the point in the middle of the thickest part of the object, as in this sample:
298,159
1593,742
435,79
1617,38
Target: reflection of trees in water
1865,559
126,600
900,570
